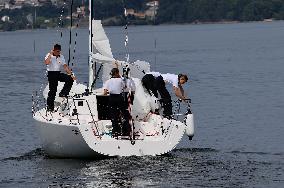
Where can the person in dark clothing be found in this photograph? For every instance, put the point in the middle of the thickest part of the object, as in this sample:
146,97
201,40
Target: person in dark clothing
154,82
54,61
148,82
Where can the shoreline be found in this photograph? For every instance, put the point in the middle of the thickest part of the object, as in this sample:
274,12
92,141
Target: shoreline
162,24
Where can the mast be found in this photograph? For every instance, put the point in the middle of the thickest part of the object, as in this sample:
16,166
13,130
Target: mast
91,73
70,33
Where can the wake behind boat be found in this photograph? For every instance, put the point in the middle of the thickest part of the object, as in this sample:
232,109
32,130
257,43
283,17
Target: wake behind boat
80,125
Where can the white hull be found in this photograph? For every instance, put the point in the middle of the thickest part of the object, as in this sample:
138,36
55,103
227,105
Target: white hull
62,141
62,138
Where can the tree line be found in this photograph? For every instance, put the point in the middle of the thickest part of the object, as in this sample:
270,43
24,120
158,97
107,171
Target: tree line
170,11
190,11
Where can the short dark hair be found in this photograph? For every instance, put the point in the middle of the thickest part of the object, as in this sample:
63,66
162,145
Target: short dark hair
184,76
57,47
114,71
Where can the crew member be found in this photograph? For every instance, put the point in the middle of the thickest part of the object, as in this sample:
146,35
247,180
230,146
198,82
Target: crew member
114,87
154,82
54,61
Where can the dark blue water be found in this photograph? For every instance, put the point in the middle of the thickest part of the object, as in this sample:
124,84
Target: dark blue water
236,86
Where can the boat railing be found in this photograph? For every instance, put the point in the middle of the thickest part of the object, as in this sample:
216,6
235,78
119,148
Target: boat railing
38,102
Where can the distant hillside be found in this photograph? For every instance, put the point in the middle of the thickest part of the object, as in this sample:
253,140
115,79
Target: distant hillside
111,12
188,11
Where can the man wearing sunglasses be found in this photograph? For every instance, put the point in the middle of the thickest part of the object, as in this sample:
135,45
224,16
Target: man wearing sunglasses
54,61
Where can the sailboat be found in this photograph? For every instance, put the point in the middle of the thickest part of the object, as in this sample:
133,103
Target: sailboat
80,126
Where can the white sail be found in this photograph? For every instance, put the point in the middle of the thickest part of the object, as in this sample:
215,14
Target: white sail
101,58
101,51
100,42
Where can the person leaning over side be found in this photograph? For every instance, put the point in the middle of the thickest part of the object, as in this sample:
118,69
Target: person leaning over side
114,87
154,82
54,60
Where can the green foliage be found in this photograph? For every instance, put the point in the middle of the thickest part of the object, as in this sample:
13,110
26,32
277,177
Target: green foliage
105,9
170,11
180,11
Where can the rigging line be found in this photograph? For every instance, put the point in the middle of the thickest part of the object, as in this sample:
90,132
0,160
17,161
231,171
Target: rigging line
155,41
130,121
96,76
76,37
40,100
126,66
91,24
126,32
70,32
37,98
61,23
90,61
33,104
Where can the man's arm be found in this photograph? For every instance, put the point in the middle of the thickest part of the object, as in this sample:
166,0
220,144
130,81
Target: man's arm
68,71
179,92
47,60
115,64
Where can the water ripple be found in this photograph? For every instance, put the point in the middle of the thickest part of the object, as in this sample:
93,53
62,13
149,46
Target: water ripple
34,154
256,153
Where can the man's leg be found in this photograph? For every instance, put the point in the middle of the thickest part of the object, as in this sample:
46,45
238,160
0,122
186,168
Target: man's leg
53,82
67,85
114,116
165,96
148,82
115,111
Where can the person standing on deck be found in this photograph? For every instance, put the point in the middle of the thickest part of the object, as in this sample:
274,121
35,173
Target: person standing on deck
154,82
54,60
114,87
